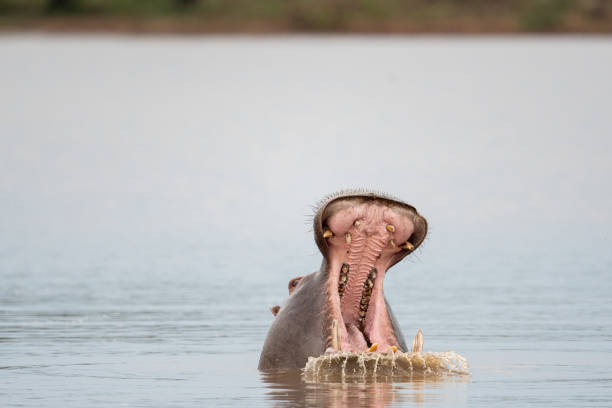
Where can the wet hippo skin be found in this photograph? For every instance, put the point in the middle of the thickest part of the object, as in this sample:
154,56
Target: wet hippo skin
342,307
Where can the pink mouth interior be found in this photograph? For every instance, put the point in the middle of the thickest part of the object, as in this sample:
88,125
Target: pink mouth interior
365,243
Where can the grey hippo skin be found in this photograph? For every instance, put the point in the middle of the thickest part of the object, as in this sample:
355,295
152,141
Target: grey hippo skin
341,307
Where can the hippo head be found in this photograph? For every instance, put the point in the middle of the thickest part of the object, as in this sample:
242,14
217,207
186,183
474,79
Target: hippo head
342,307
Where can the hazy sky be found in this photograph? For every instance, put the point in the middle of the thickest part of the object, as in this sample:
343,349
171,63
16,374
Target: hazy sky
233,139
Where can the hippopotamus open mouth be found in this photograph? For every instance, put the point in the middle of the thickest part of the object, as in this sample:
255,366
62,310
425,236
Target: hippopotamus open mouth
342,306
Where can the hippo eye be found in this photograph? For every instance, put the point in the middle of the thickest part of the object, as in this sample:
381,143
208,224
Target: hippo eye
294,283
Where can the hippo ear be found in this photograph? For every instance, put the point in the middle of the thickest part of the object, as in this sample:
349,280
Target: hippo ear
293,283
275,310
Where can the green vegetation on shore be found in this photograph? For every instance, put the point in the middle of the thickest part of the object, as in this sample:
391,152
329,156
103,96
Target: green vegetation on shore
310,15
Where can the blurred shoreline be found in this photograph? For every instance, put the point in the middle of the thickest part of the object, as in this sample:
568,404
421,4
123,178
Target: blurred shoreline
308,16
187,26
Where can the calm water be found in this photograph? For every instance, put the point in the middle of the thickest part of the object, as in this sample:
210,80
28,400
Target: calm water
155,200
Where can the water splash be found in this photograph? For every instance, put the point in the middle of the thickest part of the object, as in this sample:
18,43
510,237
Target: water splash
383,367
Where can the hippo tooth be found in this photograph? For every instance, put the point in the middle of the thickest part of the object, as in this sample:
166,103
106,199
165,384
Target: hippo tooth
343,278
392,243
394,349
390,228
373,347
408,245
356,223
348,238
328,234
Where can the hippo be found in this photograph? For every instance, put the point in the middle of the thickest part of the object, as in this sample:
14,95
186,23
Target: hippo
342,307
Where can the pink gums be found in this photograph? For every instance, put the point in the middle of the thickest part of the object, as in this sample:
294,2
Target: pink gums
370,247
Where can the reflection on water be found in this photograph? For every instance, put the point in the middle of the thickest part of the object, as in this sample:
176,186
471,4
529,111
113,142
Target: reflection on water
287,388
368,379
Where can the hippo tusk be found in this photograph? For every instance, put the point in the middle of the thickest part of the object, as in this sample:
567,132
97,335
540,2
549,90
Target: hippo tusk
335,342
417,343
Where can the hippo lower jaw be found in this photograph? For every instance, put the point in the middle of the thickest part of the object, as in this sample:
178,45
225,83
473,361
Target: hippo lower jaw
364,238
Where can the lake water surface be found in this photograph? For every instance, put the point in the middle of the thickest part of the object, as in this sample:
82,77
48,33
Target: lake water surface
156,193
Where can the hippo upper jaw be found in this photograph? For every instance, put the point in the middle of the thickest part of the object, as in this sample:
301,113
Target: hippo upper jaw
362,236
